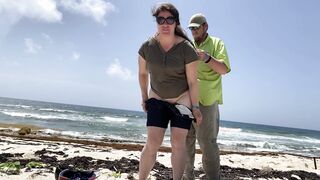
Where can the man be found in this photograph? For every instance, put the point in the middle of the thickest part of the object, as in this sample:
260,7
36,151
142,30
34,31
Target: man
214,63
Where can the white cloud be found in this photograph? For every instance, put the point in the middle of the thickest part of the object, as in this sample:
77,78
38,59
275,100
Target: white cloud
75,55
31,46
96,9
117,70
43,10
47,37
11,11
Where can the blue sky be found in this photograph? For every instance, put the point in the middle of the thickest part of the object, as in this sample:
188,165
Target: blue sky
85,52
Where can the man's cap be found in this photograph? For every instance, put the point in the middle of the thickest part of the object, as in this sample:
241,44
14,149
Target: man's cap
197,20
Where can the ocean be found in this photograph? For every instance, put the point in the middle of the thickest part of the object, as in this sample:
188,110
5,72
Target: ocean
97,123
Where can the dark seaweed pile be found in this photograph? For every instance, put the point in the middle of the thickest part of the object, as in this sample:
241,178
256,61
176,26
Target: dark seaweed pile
130,166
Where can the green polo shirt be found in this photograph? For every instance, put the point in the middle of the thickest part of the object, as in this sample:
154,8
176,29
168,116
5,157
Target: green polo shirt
210,86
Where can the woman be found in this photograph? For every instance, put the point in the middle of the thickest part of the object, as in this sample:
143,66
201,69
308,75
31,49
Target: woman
171,60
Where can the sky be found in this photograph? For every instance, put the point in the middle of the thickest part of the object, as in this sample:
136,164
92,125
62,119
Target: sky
85,52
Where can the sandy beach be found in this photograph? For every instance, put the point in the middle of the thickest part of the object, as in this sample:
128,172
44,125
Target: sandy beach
112,159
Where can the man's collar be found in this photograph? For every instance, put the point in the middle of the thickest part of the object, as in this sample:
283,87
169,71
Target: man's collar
203,42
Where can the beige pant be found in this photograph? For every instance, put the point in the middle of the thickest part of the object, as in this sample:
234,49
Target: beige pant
206,134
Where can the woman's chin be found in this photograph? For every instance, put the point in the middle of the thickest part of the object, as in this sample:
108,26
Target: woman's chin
165,33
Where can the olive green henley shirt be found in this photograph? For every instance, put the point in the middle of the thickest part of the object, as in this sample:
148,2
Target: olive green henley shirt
167,69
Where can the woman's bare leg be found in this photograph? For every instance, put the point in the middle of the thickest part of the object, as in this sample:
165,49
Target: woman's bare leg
149,151
178,157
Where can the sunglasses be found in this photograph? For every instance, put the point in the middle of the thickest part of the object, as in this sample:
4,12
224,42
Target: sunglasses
169,20
194,28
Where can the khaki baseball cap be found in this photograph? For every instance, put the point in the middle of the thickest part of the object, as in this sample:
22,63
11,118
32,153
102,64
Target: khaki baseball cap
197,20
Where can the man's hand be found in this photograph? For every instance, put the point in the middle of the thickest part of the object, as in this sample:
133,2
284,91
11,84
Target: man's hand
197,114
203,55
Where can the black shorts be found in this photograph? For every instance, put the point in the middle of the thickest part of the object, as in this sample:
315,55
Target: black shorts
159,113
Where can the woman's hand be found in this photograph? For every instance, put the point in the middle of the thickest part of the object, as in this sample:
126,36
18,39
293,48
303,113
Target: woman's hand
197,114
143,104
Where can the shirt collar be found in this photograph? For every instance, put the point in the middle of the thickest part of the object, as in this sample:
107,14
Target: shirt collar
204,42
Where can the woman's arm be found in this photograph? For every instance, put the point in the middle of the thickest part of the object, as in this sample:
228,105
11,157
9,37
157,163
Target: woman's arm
191,72
143,81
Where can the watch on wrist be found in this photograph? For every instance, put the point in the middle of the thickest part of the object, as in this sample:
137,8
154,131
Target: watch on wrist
206,57
208,60
195,106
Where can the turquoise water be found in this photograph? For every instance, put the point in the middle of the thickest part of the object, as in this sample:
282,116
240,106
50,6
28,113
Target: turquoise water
99,123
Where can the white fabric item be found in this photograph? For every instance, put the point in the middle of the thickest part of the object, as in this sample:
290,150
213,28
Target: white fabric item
184,110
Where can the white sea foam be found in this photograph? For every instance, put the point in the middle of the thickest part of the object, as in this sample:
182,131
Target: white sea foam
28,115
57,110
255,145
48,116
117,137
308,140
258,137
50,131
231,142
76,134
114,119
225,129
17,106
71,117
82,135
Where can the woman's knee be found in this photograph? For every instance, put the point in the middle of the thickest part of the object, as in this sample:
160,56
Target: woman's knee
178,139
178,144
152,146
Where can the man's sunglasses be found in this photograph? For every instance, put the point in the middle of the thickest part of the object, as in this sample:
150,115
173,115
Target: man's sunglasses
169,20
194,28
